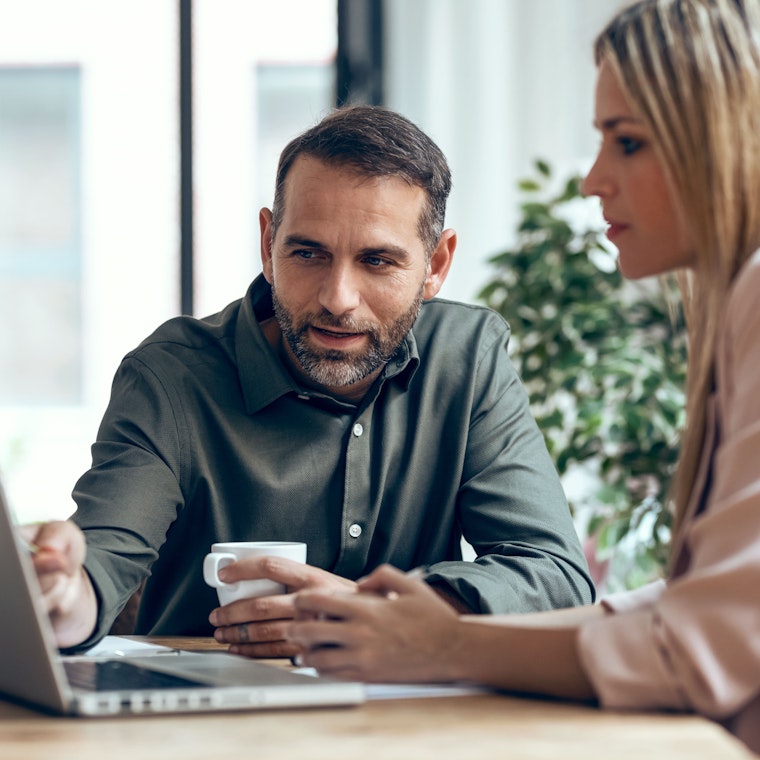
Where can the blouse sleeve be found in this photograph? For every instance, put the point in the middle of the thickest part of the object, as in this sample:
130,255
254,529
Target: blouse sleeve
695,644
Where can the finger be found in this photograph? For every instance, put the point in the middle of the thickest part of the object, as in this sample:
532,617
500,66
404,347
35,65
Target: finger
55,534
389,580
252,633
321,605
53,587
293,575
269,650
279,607
335,662
59,537
50,562
312,634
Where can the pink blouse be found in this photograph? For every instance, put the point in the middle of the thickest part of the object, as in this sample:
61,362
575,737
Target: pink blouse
693,644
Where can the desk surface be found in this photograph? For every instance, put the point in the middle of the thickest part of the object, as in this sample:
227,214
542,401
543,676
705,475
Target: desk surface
481,725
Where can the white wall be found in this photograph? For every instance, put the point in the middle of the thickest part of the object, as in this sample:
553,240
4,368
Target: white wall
497,84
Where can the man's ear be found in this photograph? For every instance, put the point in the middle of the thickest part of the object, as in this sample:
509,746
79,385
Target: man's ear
267,231
440,263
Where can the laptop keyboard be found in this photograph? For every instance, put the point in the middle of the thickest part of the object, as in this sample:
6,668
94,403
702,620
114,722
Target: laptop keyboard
121,675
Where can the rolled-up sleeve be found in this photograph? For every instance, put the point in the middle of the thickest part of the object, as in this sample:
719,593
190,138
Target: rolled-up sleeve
510,502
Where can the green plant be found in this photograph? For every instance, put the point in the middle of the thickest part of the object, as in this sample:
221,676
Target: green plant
603,361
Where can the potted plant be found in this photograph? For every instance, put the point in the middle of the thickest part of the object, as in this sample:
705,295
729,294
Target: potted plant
603,361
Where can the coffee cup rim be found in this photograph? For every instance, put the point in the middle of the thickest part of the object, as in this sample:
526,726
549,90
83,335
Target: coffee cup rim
216,546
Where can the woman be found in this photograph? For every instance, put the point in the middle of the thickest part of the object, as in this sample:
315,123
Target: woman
678,175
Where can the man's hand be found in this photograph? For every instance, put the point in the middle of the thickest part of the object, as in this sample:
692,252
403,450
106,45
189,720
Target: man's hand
256,627
67,593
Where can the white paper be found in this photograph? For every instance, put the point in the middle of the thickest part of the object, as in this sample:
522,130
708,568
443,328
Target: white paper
119,646
412,690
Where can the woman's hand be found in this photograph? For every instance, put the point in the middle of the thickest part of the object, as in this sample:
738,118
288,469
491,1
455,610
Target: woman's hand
257,627
397,629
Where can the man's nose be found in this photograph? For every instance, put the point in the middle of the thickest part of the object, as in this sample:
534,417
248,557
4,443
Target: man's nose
339,292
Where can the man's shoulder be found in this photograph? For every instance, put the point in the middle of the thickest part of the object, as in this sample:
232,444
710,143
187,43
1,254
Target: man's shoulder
459,320
184,335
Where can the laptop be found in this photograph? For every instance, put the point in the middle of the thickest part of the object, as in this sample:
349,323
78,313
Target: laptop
32,670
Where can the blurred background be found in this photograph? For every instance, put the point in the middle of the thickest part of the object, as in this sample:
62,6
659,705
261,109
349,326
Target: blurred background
139,139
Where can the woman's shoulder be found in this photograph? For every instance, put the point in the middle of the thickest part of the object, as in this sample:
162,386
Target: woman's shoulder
738,349
746,283
743,306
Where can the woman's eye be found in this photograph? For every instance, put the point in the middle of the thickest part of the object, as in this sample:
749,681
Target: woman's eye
629,145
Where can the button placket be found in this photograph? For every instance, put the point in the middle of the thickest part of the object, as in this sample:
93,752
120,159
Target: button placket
355,530
356,500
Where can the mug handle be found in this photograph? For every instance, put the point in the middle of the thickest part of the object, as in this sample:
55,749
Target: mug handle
212,563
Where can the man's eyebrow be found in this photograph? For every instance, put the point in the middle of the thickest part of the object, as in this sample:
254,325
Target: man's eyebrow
297,240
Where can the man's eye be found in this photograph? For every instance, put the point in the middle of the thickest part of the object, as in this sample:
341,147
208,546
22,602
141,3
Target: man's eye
629,145
375,261
302,254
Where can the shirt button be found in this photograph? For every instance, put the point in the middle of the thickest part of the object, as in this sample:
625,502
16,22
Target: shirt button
355,531
358,429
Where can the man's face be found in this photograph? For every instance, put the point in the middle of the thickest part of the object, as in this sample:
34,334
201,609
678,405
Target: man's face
348,272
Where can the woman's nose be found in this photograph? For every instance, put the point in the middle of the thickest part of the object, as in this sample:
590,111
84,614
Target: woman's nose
596,182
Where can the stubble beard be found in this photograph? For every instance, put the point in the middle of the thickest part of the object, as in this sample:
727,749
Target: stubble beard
334,368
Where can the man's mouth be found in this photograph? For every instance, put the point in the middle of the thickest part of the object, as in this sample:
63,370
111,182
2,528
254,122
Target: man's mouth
332,337
334,333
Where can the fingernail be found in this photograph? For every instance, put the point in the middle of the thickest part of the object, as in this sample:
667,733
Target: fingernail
298,660
213,618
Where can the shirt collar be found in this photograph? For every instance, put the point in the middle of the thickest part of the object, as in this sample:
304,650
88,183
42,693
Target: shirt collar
262,375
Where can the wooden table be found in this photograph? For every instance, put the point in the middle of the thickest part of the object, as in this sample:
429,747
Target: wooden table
485,726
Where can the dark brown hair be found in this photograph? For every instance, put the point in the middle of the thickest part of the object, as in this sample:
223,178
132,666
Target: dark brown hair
375,142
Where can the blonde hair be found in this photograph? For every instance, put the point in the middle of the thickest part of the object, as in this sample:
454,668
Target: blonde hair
691,68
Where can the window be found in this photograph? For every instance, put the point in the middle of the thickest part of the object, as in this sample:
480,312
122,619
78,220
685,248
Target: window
40,236
90,197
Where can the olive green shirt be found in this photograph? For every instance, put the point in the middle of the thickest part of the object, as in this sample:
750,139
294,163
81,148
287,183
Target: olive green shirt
208,438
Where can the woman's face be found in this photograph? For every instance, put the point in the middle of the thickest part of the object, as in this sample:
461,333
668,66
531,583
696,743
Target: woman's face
644,224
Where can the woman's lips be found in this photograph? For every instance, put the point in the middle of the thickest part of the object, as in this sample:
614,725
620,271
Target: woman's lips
615,229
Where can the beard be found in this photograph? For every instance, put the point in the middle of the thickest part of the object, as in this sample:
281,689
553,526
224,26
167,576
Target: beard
335,368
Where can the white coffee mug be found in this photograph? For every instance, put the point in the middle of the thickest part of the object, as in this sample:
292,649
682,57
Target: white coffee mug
225,553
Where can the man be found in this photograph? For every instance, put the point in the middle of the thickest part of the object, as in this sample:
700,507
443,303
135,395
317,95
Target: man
335,404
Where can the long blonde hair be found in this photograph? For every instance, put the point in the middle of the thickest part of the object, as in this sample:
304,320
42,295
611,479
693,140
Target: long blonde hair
691,68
